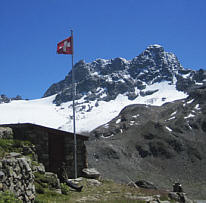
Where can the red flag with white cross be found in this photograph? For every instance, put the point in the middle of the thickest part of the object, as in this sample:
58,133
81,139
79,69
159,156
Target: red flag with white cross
65,46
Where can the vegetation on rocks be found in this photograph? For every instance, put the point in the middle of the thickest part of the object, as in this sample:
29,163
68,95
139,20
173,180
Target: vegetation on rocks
7,197
12,145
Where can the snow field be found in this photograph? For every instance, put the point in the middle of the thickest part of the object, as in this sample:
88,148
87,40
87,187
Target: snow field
88,115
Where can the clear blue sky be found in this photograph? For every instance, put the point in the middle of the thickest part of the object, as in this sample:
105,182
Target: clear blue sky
30,30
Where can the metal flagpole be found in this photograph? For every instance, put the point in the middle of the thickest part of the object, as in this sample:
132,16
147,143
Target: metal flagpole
74,95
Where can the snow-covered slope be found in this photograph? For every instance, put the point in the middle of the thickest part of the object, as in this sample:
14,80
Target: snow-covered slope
88,120
40,111
89,115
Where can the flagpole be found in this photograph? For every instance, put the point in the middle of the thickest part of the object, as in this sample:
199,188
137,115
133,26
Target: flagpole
74,95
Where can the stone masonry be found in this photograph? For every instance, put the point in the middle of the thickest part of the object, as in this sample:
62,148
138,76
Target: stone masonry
16,176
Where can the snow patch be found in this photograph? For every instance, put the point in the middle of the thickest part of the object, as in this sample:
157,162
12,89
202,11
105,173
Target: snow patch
125,60
189,116
189,126
197,107
135,116
95,74
199,83
107,136
118,121
154,46
132,122
171,118
186,75
169,129
174,113
189,102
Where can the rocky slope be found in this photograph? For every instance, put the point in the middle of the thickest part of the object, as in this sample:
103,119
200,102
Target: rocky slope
24,179
162,144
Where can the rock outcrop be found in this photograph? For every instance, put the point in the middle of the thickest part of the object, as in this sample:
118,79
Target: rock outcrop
5,99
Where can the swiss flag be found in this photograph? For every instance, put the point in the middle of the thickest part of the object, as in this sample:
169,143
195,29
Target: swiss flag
65,46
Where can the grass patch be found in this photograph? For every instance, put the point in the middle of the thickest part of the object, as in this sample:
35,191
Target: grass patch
8,197
122,201
12,145
45,181
64,189
51,197
45,189
107,192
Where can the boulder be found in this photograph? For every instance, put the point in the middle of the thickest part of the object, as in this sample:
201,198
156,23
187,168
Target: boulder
174,196
145,184
179,197
53,180
132,184
94,182
91,173
76,180
14,155
39,167
2,176
177,187
6,133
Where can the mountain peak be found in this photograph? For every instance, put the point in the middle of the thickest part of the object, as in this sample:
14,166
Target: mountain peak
105,79
155,46
154,50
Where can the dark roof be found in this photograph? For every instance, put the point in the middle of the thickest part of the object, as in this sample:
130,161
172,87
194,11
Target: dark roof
31,125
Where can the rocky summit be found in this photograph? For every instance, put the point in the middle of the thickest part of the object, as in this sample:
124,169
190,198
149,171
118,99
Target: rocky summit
104,80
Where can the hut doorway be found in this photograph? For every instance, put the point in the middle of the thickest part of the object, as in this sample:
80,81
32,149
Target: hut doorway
56,152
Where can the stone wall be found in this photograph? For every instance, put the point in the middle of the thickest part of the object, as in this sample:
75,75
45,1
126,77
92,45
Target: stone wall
69,156
37,136
16,169
16,176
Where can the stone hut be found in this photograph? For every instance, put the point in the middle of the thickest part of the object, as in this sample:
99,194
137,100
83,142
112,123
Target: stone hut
55,148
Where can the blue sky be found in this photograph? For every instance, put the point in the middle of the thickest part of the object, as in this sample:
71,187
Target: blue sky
30,30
